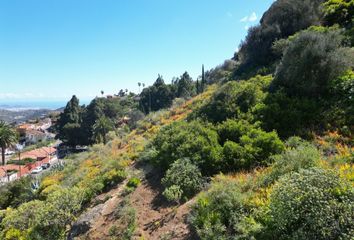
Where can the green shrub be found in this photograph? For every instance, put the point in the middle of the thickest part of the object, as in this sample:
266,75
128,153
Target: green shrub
223,213
342,111
235,99
195,140
234,156
113,177
290,116
312,60
299,155
312,204
339,12
246,146
44,220
148,155
15,193
182,179
304,94
22,161
233,130
173,193
133,182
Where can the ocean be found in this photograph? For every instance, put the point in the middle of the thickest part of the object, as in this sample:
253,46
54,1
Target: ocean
33,105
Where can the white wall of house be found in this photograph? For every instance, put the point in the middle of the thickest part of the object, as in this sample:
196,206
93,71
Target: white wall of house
7,179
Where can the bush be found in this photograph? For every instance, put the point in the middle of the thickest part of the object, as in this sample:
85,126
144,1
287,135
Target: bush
343,110
15,193
173,193
312,87
235,99
339,12
299,155
113,177
133,182
290,116
182,179
312,204
233,130
44,220
247,145
313,59
195,140
22,162
223,213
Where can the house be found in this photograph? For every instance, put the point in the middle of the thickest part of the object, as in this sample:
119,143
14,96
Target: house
22,130
40,154
35,136
8,173
11,172
37,132
44,124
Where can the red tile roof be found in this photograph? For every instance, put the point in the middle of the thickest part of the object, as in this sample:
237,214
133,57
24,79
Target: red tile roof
22,170
39,153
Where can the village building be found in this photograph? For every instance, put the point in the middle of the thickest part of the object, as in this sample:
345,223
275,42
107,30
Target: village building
11,172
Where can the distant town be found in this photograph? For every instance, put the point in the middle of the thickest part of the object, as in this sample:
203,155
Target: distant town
35,152
20,115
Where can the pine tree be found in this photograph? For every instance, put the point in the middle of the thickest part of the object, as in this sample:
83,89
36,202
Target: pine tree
197,86
69,123
203,84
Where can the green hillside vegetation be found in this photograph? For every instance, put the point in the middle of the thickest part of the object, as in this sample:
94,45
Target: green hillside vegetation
265,151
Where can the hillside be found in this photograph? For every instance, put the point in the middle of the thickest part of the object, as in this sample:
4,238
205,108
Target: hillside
22,115
260,147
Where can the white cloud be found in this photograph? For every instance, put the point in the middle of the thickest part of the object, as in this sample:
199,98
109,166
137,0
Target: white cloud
251,18
244,19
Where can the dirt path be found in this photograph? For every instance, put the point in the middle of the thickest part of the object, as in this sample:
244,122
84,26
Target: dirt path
154,218
95,222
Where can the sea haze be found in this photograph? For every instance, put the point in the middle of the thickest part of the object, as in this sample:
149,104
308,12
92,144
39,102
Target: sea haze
32,105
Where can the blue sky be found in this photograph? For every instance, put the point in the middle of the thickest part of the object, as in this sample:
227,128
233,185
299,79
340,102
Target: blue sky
52,49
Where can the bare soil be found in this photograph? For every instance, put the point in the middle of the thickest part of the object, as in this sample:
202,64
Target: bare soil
155,218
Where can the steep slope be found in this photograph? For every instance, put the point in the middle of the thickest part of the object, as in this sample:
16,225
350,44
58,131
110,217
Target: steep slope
151,216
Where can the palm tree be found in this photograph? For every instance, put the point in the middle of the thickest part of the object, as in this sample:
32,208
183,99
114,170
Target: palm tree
8,137
100,129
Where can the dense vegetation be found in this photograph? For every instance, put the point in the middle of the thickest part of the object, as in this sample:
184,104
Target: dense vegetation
84,125
269,146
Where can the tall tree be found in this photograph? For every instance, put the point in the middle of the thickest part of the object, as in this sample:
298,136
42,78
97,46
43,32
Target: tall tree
185,86
92,113
69,123
8,137
203,83
156,97
197,86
